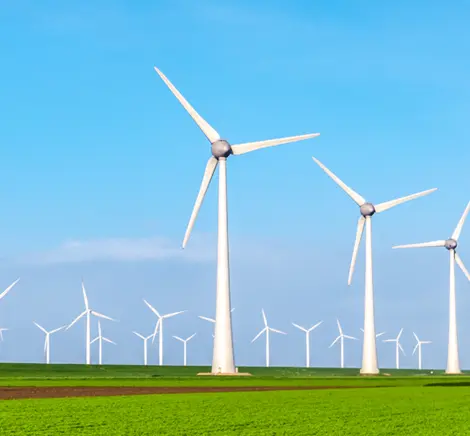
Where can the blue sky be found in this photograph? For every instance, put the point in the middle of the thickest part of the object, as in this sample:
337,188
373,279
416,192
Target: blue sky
100,167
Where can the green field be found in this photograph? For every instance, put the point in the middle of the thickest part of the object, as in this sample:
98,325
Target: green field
408,403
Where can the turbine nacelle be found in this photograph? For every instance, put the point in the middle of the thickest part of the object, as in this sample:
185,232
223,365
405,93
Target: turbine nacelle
221,149
367,209
451,244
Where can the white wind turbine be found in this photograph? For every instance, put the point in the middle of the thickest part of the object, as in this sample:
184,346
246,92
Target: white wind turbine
212,320
145,339
418,347
307,340
223,358
266,329
184,341
88,312
341,338
1,332
158,326
367,210
47,341
453,363
398,348
100,338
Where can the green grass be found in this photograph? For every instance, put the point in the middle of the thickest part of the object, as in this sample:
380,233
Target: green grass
400,411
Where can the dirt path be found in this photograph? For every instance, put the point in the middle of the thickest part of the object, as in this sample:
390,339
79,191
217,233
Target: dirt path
13,393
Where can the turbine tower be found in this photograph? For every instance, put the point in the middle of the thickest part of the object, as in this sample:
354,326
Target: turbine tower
307,340
47,341
88,313
266,329
453,363
223,358
367,210
145,339
184,341
398,348
341,338
159,325
212,320
101,338
418,347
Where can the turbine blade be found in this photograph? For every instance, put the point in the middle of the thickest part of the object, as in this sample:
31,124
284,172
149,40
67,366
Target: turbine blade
5,292
277,331
389,340
206,180
315,326
42,328
152,308
210,133
94,340
426,342
353,194
85,296
399,334
401,348
339,327
57,330
76,319
392,203
379,334
458,229
301,328
207,319
232,309
350,337
334,342
416,336
459,261
140,336
169,315
100,315
422,244
192,336
258,335
179,339
157,325
359,232
109,341
264,318
252,146
415,348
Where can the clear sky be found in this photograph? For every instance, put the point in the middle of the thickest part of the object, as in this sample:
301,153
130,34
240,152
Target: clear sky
100,167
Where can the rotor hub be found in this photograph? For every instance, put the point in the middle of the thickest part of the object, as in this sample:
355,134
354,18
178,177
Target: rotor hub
451,244
367,209
221,148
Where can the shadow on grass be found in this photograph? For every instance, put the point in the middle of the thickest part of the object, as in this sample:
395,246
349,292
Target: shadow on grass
451,384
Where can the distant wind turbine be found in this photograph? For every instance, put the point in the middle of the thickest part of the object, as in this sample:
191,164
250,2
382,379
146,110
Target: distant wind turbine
266,329
367,210
223,358
398,348
212,320
453,362
158,326
307,340
418,347
145,339
341,338
1,332
100,338
47,341
88,312
184,341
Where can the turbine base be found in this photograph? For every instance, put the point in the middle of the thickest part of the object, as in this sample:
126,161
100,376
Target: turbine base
366,373
227,374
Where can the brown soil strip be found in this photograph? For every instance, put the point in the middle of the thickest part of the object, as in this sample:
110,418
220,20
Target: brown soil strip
14,393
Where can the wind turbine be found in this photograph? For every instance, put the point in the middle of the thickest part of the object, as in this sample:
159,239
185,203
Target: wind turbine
1,332
307,340
266,329
398,348
100,338
453,364
212,320
223,358
184,341
418,347
367,210
47,341
145,339
160,325
341,338
88,312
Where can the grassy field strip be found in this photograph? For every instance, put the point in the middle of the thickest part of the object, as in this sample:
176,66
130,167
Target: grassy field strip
416,411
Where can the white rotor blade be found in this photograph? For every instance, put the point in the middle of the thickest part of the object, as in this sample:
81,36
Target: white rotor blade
76,319
109,341
179,339
415,348
56,330
458,229
152,308
206,180
461,265
339,327
379,334
264,318
359,231
210,133
232,309
392,203
315,326
399,334
5,292
252,146
192,336
299,327
100,315
426,342
401,348
334,342
258,335
157,325
42,328
389,340
85,296
169,315
139,335
277,331
422,244
207,319
94,340
416,336
350,337
353,194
